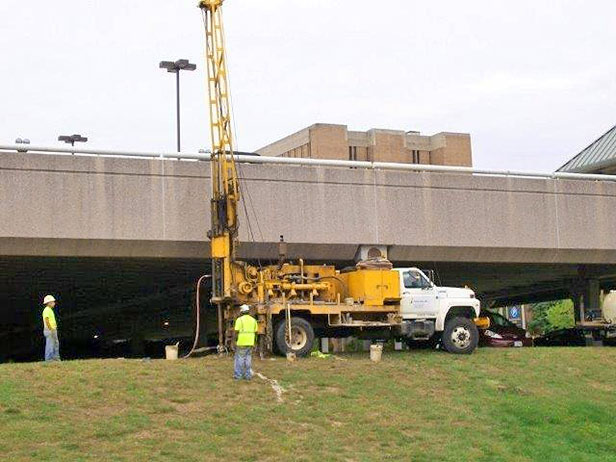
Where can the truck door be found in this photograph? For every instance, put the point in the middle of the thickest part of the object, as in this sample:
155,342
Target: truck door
419,296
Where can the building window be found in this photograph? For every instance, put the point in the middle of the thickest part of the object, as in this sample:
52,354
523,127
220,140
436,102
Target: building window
415,156
352,152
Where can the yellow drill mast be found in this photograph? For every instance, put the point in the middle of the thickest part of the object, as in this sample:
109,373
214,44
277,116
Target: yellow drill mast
289,300
276,292
225,189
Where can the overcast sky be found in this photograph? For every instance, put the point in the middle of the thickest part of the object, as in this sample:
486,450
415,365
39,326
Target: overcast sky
533,82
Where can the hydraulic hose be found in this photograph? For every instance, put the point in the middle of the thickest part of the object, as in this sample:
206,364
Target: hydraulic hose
197,315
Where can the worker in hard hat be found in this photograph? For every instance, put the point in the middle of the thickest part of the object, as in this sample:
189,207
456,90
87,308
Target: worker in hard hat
50,330
246,333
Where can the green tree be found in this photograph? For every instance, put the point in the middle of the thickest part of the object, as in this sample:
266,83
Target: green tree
539,324
553,315
560,315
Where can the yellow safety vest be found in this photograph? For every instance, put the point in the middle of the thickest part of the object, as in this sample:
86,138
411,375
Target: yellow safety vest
246,328
49,314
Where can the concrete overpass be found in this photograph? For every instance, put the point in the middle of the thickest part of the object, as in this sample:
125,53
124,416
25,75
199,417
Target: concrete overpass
136,225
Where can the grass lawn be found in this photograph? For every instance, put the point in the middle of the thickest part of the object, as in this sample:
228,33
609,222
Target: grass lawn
543,404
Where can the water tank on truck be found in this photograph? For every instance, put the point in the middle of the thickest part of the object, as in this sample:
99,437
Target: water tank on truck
609,307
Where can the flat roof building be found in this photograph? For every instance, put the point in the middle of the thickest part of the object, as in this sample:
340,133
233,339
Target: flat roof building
329,141
598,157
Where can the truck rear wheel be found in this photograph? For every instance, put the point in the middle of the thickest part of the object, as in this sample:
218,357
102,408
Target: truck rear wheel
302,337
460,336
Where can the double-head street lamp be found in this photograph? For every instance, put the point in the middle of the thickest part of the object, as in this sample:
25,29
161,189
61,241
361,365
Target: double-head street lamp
175,68
72,139
22,141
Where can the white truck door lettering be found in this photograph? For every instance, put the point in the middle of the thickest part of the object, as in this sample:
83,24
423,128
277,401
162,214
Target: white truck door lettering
419,296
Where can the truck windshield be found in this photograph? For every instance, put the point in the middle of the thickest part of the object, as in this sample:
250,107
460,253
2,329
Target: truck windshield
413,279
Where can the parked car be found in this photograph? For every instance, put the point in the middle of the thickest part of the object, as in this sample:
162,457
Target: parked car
562,337
502,333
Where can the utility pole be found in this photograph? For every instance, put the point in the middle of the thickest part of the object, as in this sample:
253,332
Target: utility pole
175,67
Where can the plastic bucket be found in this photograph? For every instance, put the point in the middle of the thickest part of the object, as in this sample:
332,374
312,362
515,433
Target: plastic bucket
171,351
376,352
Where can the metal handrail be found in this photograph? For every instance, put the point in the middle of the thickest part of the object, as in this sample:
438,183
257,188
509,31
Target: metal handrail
163,155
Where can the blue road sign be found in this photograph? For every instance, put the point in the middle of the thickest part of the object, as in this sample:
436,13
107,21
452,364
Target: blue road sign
514,312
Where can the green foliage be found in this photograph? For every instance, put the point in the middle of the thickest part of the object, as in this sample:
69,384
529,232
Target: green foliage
539,323
549,316
560,315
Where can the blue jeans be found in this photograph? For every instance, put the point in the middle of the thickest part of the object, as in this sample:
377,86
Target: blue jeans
52,345
243,363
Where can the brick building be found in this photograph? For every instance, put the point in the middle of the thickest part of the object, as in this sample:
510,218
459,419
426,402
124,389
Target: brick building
327,141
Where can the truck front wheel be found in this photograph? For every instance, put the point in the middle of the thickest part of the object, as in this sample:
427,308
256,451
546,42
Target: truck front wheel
460,336
302,337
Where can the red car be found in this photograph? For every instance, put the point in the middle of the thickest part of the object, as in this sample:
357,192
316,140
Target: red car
503,333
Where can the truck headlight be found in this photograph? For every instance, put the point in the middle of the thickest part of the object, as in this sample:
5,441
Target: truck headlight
492,334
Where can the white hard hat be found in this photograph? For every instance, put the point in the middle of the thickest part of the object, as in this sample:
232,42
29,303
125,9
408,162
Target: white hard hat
244,308
48,299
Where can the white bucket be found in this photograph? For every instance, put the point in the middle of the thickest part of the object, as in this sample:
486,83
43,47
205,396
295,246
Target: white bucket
376,351
171,351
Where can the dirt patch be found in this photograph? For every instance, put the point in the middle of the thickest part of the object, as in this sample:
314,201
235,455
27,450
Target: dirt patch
602,386
189,407
106,411
144,435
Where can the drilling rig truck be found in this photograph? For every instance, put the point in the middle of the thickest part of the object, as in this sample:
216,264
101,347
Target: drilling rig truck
296,302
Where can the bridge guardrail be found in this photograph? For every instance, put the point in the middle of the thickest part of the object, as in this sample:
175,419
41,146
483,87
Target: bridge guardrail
255,159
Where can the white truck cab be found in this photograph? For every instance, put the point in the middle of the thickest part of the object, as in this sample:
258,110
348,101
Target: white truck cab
432,313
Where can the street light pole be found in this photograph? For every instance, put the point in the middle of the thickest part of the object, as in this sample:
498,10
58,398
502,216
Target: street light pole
177,107
175,67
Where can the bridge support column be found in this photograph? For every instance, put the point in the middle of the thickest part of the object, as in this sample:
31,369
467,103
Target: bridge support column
592,295
577,307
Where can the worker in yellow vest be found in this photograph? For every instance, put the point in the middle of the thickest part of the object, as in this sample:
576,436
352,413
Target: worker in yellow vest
50,330
246,333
